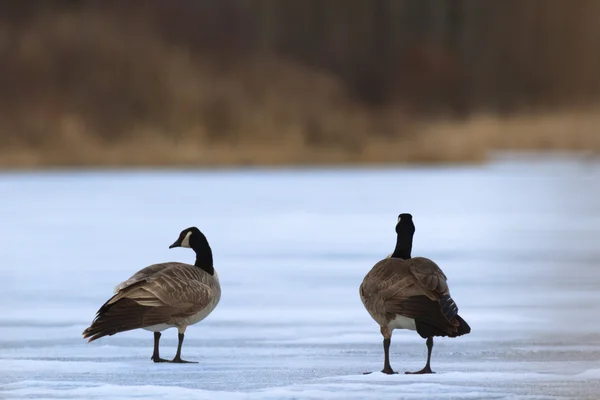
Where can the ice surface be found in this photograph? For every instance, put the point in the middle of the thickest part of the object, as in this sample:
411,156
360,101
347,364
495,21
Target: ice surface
518,240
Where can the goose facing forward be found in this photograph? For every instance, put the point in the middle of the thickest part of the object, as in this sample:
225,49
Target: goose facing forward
401,292
163,296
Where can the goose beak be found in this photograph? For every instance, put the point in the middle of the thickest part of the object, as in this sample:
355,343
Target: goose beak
176,244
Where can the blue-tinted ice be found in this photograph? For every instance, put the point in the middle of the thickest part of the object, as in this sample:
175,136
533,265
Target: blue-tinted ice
519,241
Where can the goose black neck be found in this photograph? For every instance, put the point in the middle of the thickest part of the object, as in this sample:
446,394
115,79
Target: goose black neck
204,256
205,262
403,245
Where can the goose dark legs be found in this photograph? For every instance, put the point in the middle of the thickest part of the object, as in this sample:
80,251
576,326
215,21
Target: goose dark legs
177,358
387,339
427,368
387,368
155,357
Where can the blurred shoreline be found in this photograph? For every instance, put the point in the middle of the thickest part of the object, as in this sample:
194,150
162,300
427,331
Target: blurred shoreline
444,142
217,83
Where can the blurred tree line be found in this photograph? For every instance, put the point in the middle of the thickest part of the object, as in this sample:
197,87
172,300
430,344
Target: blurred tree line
432,57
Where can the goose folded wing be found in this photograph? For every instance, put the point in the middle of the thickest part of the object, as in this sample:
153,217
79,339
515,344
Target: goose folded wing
143,275
429,276
413,291
433,282
387,277
178,290
423,310
180,287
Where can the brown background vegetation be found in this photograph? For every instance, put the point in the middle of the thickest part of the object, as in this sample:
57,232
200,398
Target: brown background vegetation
178,82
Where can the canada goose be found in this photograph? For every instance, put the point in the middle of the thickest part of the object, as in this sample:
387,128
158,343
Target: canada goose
163,296
401,292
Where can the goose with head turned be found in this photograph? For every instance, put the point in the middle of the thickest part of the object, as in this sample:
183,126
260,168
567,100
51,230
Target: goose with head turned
401,292
163,296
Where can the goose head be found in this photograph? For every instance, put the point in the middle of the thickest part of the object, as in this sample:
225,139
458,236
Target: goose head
190,238
405,229
405,225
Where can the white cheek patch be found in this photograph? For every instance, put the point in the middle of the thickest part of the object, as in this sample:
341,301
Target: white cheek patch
186,240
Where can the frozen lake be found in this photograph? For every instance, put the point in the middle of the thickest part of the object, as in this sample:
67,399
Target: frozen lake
519,241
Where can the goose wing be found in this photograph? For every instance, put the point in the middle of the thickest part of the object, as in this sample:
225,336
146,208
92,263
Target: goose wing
180,286
386,279
162,294
428,302
414,288
429,277
144,274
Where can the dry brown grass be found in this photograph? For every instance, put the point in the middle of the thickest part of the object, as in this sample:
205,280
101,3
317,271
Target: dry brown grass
428,142
577,130
85,89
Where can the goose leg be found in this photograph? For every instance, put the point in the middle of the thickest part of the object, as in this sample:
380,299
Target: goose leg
177,358
155,357
387,339
427,368
387,368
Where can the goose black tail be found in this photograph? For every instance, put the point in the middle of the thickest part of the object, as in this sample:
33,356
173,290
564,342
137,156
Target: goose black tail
463,328
450,311
124,315
449,307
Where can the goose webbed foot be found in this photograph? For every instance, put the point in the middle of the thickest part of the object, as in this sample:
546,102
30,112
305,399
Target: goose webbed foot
157,359
178,360
388,371
426,370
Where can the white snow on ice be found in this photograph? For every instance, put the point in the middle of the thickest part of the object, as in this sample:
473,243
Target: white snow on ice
518,239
